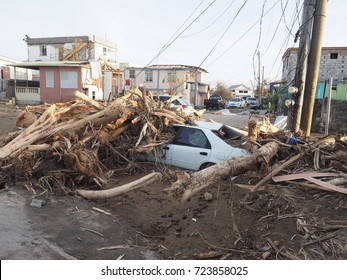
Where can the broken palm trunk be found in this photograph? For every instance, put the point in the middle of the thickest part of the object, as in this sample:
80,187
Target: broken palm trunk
103,194
184,188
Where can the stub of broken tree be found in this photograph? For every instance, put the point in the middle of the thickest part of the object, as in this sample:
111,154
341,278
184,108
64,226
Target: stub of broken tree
185,188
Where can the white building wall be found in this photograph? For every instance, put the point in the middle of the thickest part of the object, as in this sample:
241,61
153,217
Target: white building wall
53,52
99,52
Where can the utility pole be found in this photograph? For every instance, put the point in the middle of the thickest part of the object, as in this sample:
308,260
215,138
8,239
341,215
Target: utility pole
327,120
301,64
259,79
262,85
313,65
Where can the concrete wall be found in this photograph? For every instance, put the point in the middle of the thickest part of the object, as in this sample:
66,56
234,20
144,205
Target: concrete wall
330,65
338,116
28,95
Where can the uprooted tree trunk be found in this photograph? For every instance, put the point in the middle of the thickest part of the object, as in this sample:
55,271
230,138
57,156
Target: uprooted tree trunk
184,188
47,125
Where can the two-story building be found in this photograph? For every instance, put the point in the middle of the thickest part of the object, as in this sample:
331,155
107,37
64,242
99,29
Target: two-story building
241,90
333,64
185,79
67,64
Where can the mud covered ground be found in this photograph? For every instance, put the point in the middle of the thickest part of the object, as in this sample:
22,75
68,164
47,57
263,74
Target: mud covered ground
227,226
218,223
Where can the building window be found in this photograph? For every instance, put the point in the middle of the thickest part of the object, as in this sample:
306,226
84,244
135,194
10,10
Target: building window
43,50
333,55
49,79
149,75
104,50
68,79
171,76
131,74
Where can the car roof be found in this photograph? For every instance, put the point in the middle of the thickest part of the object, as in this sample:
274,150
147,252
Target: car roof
209,125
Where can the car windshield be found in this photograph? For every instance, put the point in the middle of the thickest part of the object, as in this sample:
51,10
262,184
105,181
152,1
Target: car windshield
186,101
235,99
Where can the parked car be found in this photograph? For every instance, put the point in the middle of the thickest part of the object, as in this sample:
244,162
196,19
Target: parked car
214,101
253,103
236,102
197,147
180,103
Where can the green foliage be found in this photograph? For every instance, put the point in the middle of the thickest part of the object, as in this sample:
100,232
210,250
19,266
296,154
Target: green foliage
274,102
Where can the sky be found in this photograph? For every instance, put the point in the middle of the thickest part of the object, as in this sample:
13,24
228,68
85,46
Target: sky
222,36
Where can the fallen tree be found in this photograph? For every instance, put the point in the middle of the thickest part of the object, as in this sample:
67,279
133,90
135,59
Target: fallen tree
83,142
186,187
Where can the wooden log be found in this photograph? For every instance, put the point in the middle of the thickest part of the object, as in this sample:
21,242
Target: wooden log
103,194
337,222
275,172
322,143
39,147
185,188
84,97
45,127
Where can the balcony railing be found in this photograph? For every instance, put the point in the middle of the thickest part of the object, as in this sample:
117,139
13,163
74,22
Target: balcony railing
28,95
29,90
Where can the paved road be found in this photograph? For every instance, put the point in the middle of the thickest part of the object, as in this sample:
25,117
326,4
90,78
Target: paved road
236,118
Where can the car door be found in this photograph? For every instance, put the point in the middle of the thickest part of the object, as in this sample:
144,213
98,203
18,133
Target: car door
189,149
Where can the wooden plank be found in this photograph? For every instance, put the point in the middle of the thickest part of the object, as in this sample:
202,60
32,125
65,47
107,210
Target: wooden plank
303,175
327,185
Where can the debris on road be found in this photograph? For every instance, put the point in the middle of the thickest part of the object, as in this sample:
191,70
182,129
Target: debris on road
83,148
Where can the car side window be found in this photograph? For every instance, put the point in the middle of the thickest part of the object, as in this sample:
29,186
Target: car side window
192,137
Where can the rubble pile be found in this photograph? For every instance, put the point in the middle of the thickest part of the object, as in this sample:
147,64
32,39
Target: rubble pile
83,141
286,183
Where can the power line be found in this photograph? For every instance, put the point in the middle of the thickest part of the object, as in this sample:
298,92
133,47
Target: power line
218,18
175,38
273,36
215,45
243,35
182,25
284,20
286,40
225,31
259,38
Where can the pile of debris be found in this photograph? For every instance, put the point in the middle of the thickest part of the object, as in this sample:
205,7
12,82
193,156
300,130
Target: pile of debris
83,141
82,146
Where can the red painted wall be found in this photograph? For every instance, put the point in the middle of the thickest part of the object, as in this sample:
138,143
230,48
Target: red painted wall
58,94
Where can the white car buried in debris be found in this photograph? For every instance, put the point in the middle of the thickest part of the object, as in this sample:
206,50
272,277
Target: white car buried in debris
197,147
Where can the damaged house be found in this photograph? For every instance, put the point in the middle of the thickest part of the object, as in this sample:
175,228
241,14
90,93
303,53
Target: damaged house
188,80
67,64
